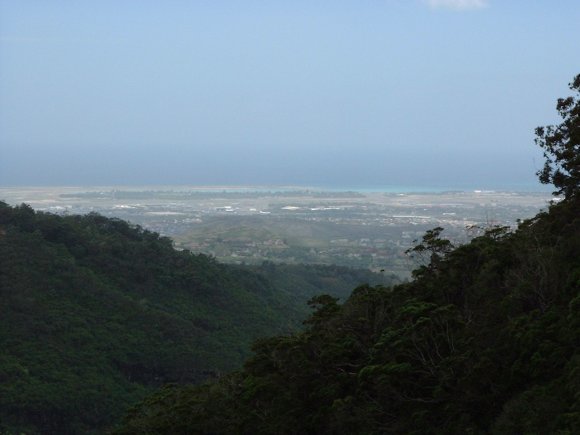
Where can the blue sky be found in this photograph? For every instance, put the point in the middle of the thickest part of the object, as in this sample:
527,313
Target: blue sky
327,93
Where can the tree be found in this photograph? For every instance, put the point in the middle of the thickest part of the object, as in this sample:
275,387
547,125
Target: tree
561,145
430,251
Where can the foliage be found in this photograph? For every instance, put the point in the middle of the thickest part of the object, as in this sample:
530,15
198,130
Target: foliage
486,340
95,313
430,251
561,144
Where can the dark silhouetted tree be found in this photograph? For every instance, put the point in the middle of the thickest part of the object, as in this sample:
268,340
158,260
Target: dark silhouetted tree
561,145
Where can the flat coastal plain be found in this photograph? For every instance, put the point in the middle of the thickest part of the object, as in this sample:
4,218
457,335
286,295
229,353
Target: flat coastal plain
289,224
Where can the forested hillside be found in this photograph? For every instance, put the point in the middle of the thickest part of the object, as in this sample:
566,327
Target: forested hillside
486,339
95,313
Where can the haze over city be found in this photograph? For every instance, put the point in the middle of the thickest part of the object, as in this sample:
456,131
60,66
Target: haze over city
369,93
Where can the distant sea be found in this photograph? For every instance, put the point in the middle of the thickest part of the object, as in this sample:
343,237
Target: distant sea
527,188
521,187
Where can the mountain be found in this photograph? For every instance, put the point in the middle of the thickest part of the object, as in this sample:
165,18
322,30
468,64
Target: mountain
95,313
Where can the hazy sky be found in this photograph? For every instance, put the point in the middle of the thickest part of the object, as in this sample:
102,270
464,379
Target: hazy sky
327,93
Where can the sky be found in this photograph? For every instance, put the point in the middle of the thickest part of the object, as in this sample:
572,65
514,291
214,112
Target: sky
353,93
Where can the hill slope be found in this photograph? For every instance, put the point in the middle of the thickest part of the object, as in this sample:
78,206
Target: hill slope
486,339
95,313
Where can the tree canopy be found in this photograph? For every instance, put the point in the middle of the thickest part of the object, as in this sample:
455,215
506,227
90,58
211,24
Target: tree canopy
95,313
561,145
485,340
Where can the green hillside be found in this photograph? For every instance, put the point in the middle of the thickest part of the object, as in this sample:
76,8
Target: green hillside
95,313
485,340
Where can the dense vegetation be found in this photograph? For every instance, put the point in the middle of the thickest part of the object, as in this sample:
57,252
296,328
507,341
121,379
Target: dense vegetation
486,339
95,313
